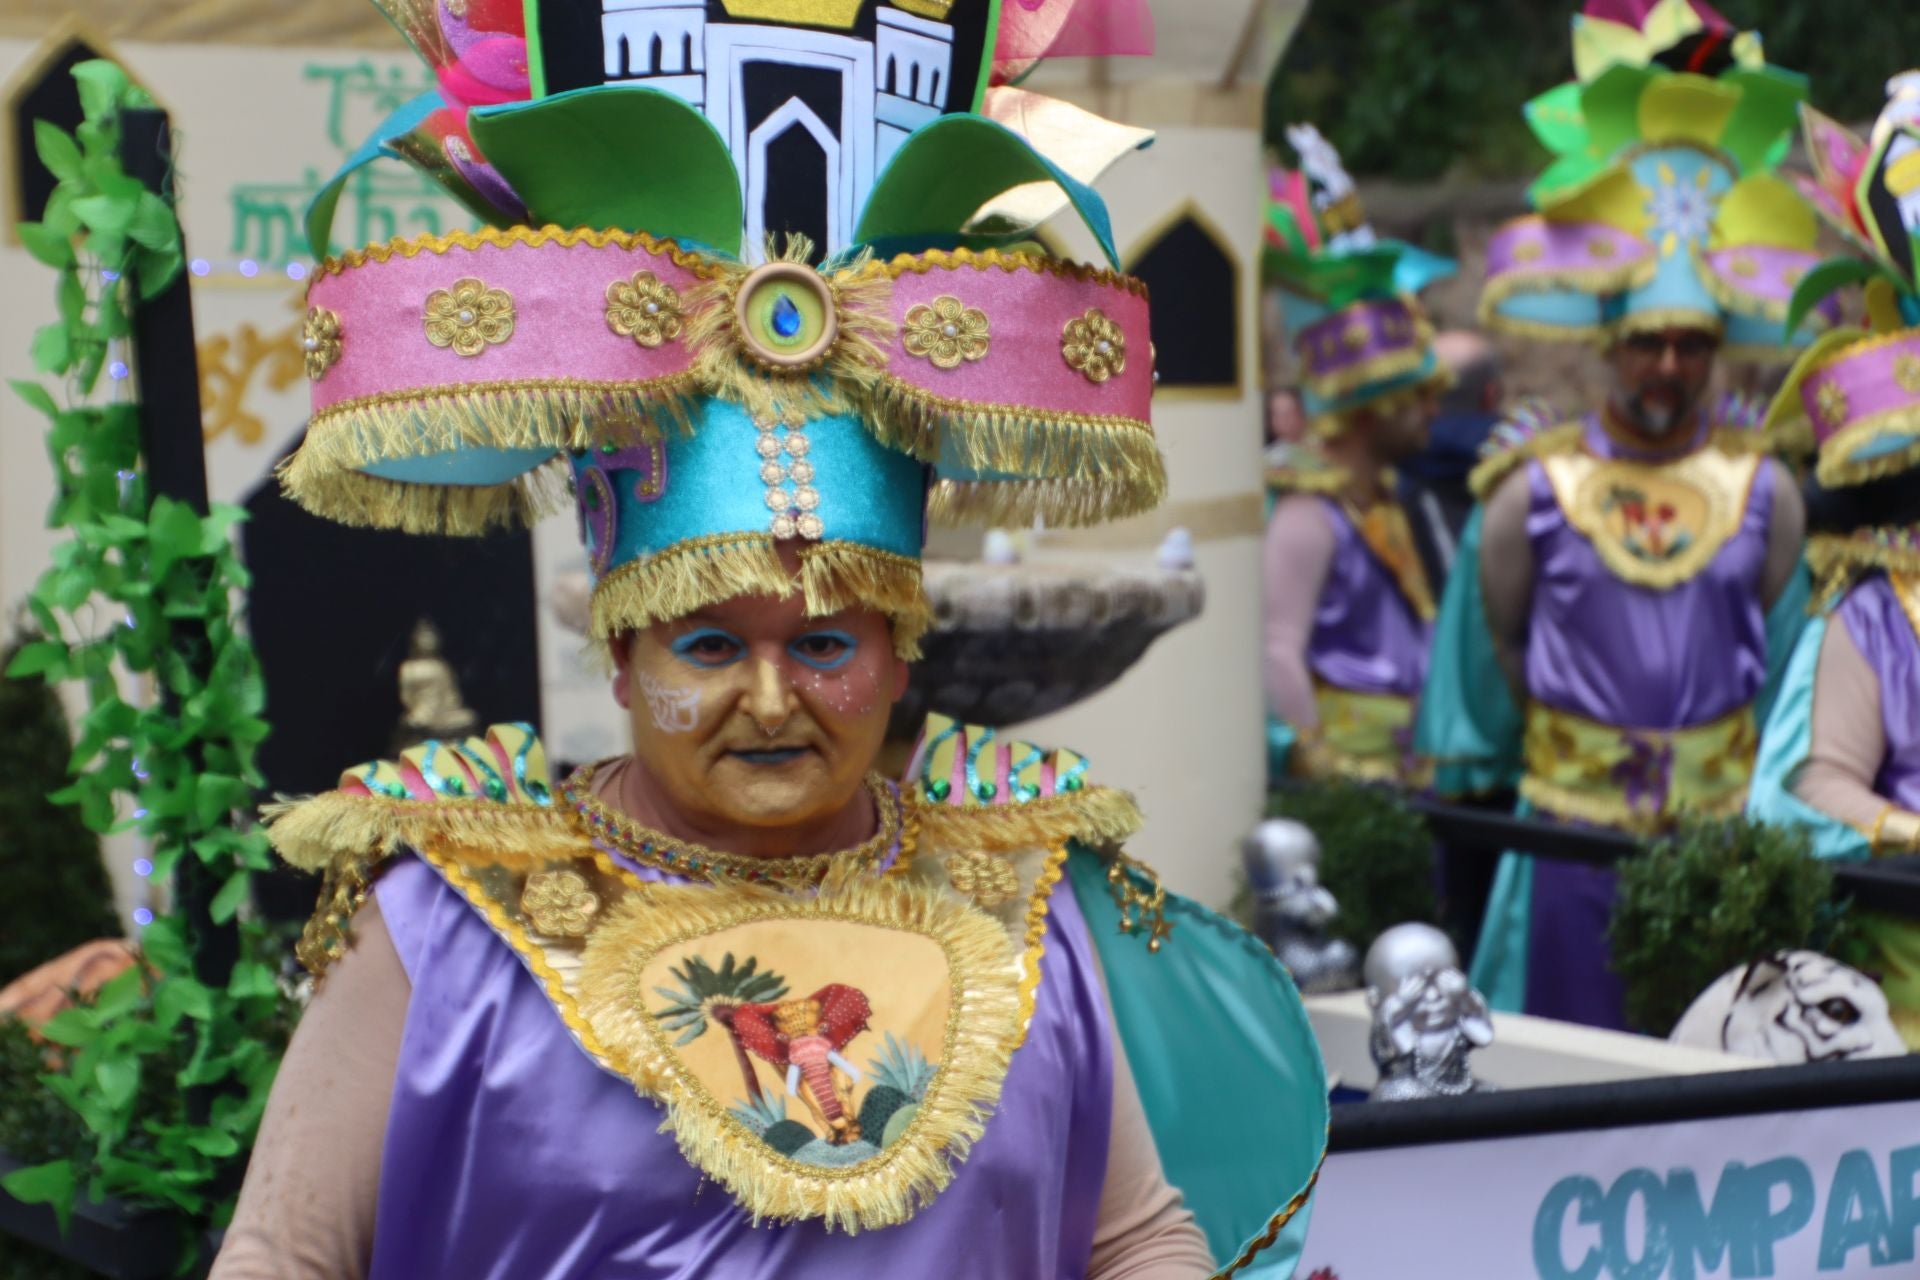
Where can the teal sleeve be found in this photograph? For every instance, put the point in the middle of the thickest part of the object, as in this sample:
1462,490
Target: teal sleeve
1785,621
1785,743
1468,724
1229,1072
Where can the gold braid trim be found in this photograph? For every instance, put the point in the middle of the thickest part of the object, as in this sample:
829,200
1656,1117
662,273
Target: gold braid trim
1277,1223
1009,261
1063,504
982,1028
1491,471
312,834
1038,907
1597,281
1095,816
353,498
698,572
499,237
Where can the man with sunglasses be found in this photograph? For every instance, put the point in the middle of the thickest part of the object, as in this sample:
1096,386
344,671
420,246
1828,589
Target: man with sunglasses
1632,582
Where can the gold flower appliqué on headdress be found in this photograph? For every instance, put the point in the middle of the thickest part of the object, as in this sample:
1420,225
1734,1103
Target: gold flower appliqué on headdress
645,308
1093,345
320,342
1831,400
559,903
946,332
469,317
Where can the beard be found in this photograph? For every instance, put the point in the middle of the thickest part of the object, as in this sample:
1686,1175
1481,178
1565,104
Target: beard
1658,409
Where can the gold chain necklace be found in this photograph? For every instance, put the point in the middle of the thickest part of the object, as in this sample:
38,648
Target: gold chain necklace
662,852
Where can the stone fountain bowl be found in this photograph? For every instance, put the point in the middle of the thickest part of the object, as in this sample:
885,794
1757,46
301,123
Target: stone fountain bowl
1015,642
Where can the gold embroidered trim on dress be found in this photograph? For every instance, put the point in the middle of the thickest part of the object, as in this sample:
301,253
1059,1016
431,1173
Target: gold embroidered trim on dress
1096,817
310,834
1607,501
1488,474
502,237
1838,560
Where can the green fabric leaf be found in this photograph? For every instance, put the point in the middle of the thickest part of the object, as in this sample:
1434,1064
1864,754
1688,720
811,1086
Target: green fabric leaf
250,978
105,214
51,1183
946,171
1610,104
52,349
48,246
103,85
119,996
231,895
119,1079
571,159
76,1027
1829,277
164,946
1765,116
38,658
1555,119
57,150
182,997
153,225
36,395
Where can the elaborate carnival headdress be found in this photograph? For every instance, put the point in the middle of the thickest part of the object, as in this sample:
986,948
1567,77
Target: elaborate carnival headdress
1662,206
1859,389
748,271
1349,296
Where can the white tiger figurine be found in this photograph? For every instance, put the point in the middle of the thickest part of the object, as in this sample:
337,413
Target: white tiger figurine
1792,1007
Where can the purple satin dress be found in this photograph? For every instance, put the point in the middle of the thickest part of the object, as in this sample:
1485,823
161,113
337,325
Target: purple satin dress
1879,628
1635,657
1366,637
511,1156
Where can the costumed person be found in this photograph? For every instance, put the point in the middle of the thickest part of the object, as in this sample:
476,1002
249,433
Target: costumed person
1840,755
734,1004
1631,586
1348,605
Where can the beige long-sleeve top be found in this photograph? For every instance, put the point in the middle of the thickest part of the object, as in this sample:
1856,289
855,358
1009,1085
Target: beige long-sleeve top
307,1209
1849,739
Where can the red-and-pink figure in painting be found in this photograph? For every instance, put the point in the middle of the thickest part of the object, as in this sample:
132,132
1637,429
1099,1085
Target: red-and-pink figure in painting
804,1037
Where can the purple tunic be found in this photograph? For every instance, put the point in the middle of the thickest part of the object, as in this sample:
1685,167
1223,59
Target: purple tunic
511,1156
1635,657
1879,628
1366,637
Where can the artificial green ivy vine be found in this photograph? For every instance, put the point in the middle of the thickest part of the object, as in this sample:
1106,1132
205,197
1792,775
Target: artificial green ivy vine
137,587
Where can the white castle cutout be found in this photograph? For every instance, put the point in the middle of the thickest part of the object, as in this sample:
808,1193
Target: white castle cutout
872,93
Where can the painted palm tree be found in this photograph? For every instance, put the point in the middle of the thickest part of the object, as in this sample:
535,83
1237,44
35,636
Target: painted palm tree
707,995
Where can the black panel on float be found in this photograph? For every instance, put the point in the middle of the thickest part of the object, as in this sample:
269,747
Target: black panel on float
572,37
1194,284
49,94
332,612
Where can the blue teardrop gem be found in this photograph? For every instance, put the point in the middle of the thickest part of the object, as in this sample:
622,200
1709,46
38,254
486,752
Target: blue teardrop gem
786,318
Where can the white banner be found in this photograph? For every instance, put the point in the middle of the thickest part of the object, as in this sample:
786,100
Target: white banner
1796,1195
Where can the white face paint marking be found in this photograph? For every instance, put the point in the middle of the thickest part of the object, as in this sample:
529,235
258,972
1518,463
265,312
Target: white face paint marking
674,710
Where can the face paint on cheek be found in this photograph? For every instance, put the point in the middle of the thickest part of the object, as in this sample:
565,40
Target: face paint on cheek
674,709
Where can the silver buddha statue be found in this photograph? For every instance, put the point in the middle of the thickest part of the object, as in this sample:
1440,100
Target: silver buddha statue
1427,1018
1293,909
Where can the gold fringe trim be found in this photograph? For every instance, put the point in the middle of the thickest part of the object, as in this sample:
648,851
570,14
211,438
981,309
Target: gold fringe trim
1061,503
1009,261
1655,319
541,413
1384,367
1490,472
982,1027
355,498
1327,481
1596,281
1036,443
1836,468
502,237
1329,426
1737,300
312,833
1096,816
862,301
698,572
1837,561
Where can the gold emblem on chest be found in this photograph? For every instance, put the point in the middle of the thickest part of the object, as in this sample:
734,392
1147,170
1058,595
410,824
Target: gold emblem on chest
1654,525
